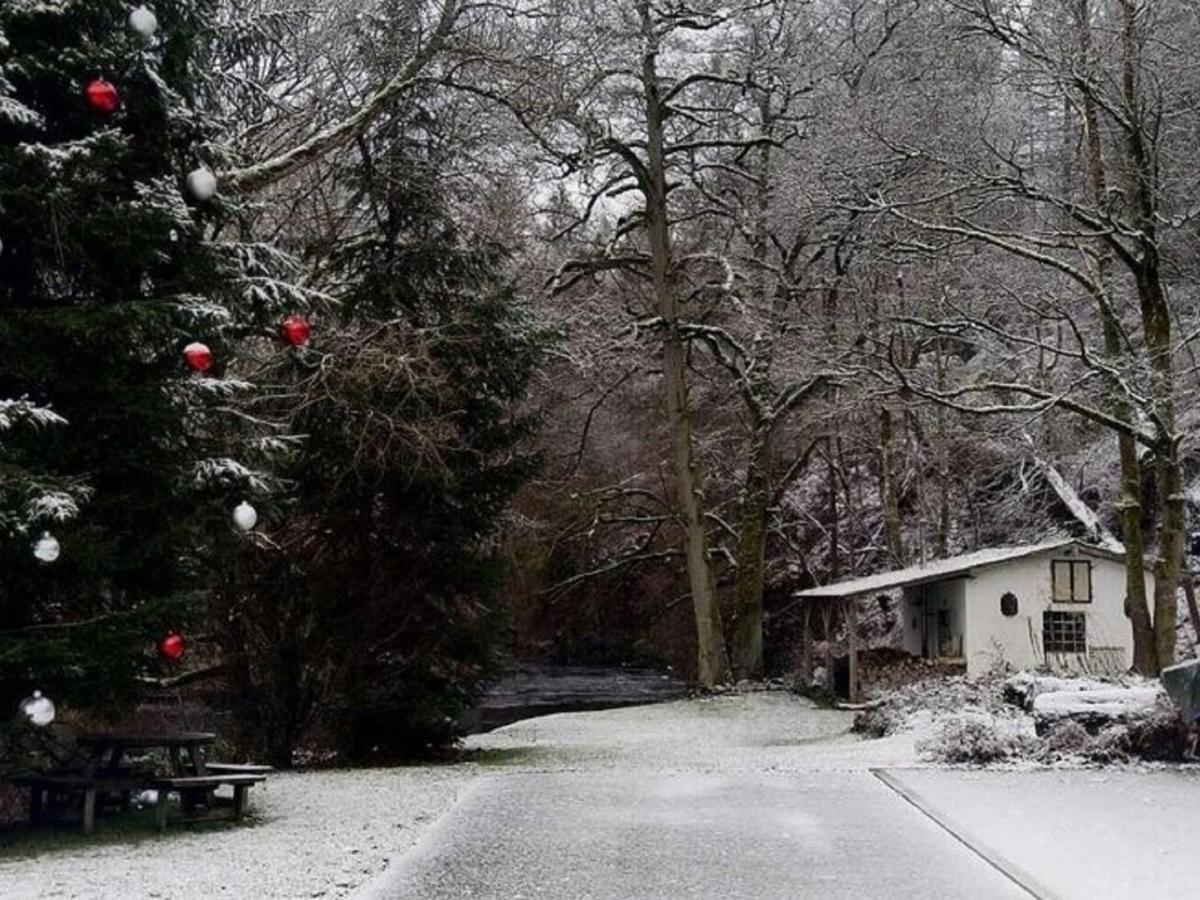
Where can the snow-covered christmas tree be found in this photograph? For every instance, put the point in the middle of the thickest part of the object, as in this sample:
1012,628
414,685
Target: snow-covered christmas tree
122,302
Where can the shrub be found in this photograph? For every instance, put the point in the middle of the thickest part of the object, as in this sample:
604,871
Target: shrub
975,738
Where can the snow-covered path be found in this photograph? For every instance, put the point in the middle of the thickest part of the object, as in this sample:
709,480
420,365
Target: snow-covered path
757,796
670,836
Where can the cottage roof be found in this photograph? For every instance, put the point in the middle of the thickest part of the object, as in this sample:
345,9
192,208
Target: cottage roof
944,569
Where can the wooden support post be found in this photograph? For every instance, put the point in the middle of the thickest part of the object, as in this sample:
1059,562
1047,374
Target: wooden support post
806,662
239,801
89,809
160,809
852,648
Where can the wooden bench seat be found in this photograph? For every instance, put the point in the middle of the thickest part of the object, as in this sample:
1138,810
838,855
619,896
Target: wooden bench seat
220,768
191,786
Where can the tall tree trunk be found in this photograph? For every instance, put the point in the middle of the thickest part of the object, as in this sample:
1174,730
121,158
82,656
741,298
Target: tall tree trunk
942,539
1129,503
806,660
747,641
1167,567
835,554
888,499
712,663
746,644
1142,173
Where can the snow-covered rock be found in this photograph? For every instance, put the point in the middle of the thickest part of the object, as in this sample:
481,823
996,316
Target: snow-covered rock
1094,709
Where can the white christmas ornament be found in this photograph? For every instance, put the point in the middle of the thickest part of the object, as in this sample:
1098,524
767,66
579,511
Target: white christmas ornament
143,22
38,709
245,516
202,184
46,548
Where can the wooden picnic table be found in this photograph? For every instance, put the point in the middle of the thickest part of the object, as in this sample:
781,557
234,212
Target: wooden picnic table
109,773
107,751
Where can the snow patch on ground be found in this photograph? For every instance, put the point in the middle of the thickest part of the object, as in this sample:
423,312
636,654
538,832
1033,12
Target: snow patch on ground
312,834
1108,701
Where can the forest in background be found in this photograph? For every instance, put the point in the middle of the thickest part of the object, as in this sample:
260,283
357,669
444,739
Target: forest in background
631,318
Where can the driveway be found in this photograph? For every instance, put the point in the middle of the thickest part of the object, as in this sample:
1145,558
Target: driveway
761,796
736,837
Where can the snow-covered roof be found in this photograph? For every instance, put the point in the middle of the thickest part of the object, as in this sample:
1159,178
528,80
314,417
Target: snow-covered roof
941,569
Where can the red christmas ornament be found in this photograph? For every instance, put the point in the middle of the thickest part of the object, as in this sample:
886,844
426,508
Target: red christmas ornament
295,330
197,356
101,95
171,646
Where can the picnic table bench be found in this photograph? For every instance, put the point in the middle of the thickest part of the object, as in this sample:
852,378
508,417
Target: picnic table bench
195,786
106,772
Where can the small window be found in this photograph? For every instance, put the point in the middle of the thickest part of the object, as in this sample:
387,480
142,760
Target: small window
1064,632
1008,603
1071,581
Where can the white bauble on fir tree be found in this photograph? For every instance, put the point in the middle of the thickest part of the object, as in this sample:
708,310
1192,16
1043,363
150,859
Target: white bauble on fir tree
143,22
245,516
202,184
38,709
46,548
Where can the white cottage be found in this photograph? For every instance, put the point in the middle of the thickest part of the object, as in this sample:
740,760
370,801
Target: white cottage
1059,604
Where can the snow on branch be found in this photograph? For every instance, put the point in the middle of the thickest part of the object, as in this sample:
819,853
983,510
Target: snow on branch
53,506
1083,513
224,471
15,412
262,174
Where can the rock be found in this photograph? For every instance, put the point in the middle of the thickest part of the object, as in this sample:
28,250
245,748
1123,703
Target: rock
1094,709
1159,734
1182,684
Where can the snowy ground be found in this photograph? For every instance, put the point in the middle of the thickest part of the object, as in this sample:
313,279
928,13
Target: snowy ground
318,834
715,781
1087,834
321,834
762,731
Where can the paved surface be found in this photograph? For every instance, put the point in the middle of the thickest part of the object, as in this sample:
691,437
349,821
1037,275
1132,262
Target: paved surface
753,797
742,837
1075,833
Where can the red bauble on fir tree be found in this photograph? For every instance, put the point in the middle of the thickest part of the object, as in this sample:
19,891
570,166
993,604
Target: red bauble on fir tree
101,95
295,330
171,646
197,356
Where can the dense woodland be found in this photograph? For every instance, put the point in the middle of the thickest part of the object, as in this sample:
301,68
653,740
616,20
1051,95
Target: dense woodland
629,318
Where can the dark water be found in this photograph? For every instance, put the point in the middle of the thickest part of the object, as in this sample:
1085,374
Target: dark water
541,690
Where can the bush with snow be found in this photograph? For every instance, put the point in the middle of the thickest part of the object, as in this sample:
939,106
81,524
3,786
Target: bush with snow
1067,737
1031,716
974,738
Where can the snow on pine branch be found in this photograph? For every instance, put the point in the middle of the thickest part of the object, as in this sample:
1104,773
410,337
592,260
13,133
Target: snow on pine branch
54,506
161,198
18,114
58,158
200,310
269,277
215,387
223,470
272,445
16,412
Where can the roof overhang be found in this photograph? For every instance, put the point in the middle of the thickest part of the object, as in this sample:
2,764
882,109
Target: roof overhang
948,569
